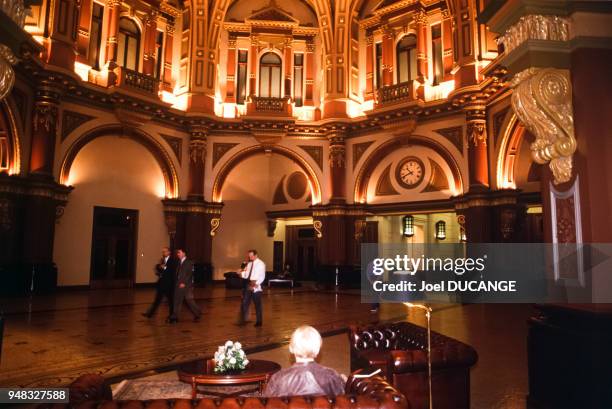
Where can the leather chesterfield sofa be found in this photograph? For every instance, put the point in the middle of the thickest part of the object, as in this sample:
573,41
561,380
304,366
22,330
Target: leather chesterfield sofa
400,351
91,392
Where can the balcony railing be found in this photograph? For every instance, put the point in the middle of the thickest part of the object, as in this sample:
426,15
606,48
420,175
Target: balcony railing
395,93
139,82
268,105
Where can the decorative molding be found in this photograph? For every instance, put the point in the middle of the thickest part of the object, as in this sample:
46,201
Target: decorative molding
454,135
542,100
315,152
358,151
7,75
72,120
317,225
176,144
567,234
45,116
437,180
197,150
220,149
215,222
535,27
384,187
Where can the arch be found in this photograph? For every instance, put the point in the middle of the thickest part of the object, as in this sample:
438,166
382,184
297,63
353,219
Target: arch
129,34
10,156
256,149
153,146
406,58
366,170
270,62
507,155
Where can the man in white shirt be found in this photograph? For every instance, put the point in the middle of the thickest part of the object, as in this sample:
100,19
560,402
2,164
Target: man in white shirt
255,274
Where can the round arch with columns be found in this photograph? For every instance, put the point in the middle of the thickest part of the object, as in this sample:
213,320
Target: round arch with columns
507,154
154,147
236,159
374,159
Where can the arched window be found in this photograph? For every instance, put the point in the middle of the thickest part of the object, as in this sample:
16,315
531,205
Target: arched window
270,77
128,44
406,59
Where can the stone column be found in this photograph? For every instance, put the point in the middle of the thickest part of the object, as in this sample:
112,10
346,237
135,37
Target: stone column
230,86
197,162
369,94
476,119
310,72
253,66
168,54
83,33
113,7
44,128
149,44
288,52
447,44
388,49
337,163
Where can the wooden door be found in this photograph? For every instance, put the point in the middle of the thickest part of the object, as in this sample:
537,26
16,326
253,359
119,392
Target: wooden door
113,247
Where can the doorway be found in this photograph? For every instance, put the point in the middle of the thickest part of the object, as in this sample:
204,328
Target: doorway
301,252
113,247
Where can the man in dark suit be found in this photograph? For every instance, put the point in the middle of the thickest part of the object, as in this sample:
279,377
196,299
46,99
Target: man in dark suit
183,288
165,271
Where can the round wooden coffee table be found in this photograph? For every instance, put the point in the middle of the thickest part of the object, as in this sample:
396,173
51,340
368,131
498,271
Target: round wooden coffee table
202,372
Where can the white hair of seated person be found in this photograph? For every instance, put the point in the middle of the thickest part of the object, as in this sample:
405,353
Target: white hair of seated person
305,343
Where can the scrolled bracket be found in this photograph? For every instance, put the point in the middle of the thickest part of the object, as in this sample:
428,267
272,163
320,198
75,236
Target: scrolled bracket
542,100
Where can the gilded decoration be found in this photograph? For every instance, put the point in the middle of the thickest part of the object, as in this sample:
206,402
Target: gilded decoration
535,27
317,225
542,100
7,75
215,222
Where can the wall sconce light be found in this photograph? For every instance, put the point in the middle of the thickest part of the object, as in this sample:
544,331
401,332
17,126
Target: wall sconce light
441,230
408,226
462,236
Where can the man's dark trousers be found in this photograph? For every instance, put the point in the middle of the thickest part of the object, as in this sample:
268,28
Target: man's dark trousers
246,302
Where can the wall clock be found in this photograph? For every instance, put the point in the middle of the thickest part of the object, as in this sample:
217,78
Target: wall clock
410,172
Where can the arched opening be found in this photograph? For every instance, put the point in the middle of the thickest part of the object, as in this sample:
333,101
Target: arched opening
113,225
362,180
406,58
128,44
9,145
270,77
162,157
266,205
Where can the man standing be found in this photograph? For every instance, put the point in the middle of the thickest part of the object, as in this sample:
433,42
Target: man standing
255,274
183,289
165,271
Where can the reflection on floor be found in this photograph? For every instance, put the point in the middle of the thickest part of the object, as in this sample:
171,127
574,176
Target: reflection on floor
51,340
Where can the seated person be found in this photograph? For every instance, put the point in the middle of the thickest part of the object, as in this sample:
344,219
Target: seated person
305,377
286,274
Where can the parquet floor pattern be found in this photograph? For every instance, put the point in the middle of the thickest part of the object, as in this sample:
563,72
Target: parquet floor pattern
60,339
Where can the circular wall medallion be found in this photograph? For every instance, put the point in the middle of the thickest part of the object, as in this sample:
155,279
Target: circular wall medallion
297,184
410,172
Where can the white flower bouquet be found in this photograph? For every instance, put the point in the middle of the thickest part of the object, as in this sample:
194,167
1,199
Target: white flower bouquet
230,358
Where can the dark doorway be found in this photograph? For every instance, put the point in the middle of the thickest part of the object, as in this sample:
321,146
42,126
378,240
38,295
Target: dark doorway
113,247
301,252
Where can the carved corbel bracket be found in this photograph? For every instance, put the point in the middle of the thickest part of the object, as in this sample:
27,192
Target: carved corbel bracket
542,100
7,75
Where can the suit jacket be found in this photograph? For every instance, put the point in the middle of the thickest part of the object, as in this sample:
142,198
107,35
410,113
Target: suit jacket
167,275
184,273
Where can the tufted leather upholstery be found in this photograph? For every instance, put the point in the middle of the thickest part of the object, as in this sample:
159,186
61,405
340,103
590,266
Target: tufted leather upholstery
91,392
400,351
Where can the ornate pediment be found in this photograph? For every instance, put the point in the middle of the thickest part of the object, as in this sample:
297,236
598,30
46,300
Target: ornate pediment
272,13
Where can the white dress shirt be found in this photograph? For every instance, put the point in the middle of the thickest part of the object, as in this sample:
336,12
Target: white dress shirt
258,274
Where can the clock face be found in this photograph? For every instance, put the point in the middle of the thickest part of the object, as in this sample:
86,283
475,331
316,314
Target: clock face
410,172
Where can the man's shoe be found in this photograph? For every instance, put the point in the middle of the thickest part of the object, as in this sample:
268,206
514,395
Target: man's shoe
258,324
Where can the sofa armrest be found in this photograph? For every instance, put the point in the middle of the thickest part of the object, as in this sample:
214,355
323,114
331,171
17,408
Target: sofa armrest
89,387
376,387
453,354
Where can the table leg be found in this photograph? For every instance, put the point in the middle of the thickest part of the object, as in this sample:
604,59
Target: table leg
194,389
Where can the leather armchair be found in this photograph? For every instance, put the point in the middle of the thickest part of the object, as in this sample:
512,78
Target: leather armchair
400,351
91,391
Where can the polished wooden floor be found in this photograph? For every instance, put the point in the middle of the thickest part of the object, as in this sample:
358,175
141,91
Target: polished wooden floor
50,340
